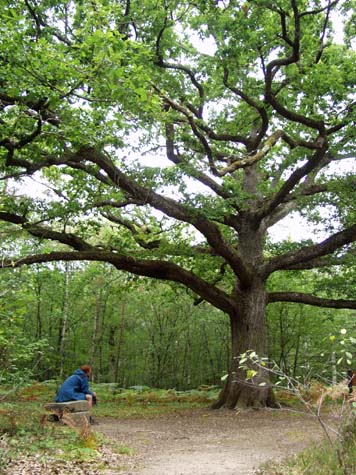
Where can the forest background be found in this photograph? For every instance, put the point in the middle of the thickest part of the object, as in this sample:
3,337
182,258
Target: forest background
138,332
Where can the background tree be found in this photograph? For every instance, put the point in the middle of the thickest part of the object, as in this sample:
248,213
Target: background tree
91,93
21,354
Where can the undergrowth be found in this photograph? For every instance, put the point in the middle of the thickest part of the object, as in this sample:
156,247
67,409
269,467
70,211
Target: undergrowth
141,401
335,455
25,430
316,460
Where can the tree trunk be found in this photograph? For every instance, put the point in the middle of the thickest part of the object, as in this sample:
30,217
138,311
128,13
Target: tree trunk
94,337
103,325
248,332
297,345
120,342
64,320
283,339
38,291
209,356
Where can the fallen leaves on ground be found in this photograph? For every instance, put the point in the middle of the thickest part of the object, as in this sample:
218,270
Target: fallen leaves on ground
105,463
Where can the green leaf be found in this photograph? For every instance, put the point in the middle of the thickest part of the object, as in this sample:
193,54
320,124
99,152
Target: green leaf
250,374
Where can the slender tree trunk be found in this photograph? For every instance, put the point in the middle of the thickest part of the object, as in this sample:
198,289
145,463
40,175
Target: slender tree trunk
103,325
38,291
248,332
39,309
112,348
186,364
209,356
297,346
283,357
64,320
120,342
94,338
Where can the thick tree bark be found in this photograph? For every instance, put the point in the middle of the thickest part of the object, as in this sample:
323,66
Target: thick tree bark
248,332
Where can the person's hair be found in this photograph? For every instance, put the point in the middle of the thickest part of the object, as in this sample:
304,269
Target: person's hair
86,368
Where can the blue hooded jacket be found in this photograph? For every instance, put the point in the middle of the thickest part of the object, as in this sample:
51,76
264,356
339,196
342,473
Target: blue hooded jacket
74,388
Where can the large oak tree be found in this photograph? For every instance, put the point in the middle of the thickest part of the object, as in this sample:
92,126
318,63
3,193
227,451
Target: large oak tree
171,136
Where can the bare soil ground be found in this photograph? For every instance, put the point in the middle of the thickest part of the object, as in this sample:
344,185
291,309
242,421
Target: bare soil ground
206,442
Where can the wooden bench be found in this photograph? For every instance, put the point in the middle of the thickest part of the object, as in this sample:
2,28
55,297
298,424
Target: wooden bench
70,413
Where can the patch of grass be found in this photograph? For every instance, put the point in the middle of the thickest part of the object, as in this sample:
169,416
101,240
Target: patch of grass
145,402
137,409
123,450
36,391
142,401
24,428
319,459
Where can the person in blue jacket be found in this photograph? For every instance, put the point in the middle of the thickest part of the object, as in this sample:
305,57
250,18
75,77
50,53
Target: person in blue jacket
76,387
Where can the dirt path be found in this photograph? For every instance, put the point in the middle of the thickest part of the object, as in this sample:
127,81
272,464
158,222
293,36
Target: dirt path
205,442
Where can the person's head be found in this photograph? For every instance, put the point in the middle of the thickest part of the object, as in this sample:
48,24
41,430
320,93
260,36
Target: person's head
86,368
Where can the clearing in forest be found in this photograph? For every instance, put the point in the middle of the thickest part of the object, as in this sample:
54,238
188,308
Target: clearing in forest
206,442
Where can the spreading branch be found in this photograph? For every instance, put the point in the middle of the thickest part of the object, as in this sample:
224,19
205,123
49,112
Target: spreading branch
323,262
294,179
307,254
156,269
306,299
167,205
173,209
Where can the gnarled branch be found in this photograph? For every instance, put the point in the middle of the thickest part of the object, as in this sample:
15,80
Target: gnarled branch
306,299
307,254
157,269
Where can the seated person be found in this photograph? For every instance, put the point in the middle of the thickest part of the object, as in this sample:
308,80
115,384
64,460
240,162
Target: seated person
76,387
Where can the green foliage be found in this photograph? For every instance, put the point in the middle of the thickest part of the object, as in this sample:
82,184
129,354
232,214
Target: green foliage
114,320
317,460
336,455
24,429
99,69
122,449
157,321
149,402
307,342
19,354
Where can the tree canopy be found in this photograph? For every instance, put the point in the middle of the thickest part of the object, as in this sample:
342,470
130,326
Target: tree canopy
171,136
